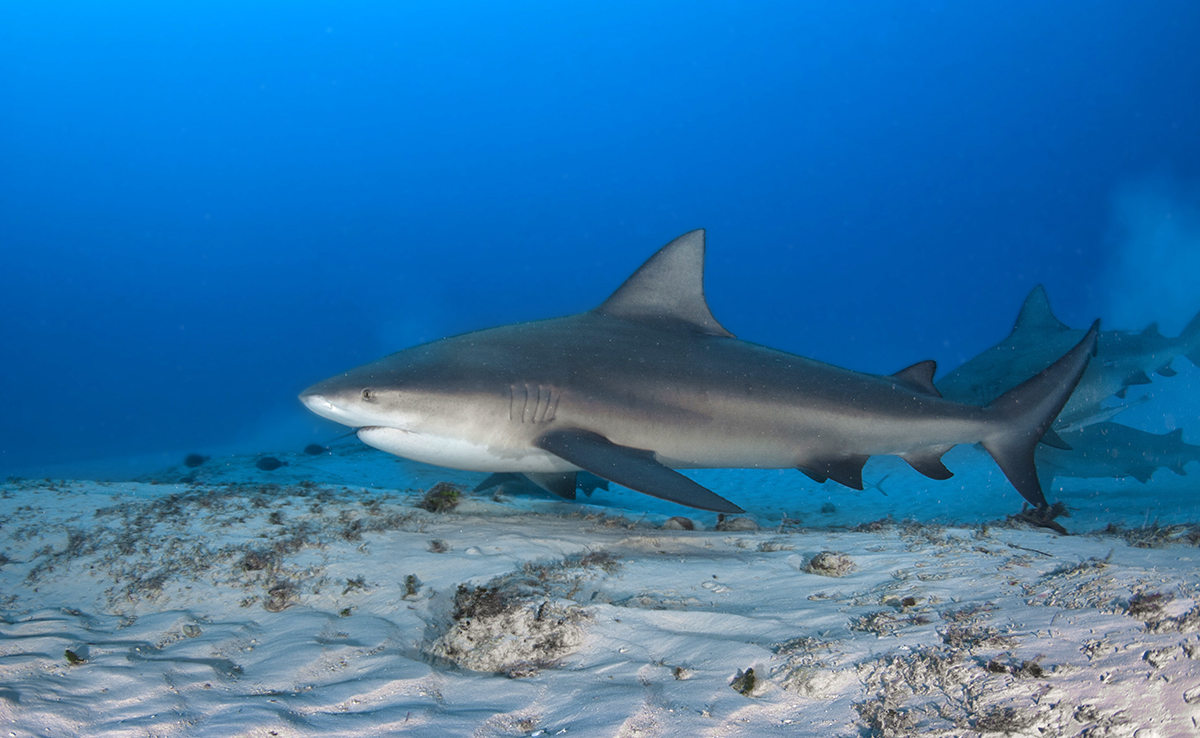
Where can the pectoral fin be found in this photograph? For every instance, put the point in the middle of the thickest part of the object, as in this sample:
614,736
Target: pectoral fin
634,468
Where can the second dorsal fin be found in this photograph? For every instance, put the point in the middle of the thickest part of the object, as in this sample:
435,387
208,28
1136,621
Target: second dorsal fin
919,377
668,289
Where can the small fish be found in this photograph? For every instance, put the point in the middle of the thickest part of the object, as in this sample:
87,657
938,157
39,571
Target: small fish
269,463
192,461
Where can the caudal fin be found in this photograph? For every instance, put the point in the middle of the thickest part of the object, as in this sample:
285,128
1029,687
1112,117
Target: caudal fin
1025,413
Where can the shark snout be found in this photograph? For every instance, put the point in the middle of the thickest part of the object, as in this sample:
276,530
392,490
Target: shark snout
320,404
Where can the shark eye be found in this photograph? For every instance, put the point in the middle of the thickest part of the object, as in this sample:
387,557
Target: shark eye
368,395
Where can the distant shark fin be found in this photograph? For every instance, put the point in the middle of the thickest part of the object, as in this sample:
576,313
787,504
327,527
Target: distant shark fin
1142,473
589,483
1093,414
497,479
1053,440
1151,331
1191,340
1165,370
1036,314
562,484
1026,412
668,288
919,377
634,468
1136,377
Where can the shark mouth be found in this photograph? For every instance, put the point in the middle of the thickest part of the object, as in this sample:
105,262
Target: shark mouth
369,428
326,409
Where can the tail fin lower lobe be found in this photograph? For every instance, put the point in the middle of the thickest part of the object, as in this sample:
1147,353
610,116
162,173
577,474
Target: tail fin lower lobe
1025,413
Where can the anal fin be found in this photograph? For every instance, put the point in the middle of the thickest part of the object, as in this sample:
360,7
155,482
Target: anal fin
845,470
813,475
928,461
634,468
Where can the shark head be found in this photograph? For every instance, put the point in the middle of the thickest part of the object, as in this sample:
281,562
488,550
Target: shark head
480,400
452,403
369,396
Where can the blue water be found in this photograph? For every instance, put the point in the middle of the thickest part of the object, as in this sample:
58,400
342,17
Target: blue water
206,207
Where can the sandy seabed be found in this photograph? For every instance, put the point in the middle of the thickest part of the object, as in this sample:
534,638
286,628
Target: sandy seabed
229,605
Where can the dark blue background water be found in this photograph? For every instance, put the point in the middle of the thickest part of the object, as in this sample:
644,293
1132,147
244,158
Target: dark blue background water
204,208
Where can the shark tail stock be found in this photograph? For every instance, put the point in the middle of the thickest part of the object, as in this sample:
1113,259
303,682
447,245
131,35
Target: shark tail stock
1026,412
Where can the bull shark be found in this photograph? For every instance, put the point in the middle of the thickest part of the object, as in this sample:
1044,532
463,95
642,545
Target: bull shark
1038,338
649,382
1114,450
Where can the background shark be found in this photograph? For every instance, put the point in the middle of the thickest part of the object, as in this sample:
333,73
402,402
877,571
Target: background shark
649,382
1115,450
1038,339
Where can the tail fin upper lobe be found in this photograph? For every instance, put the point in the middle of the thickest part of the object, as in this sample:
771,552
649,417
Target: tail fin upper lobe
1025,413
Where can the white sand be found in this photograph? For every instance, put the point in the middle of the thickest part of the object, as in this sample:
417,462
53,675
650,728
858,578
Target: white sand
210,610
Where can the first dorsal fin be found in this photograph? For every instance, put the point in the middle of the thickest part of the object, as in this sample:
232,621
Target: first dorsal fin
1036,314
668,288
919,377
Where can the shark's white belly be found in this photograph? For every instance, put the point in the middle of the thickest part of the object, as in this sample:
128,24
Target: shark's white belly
456,453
